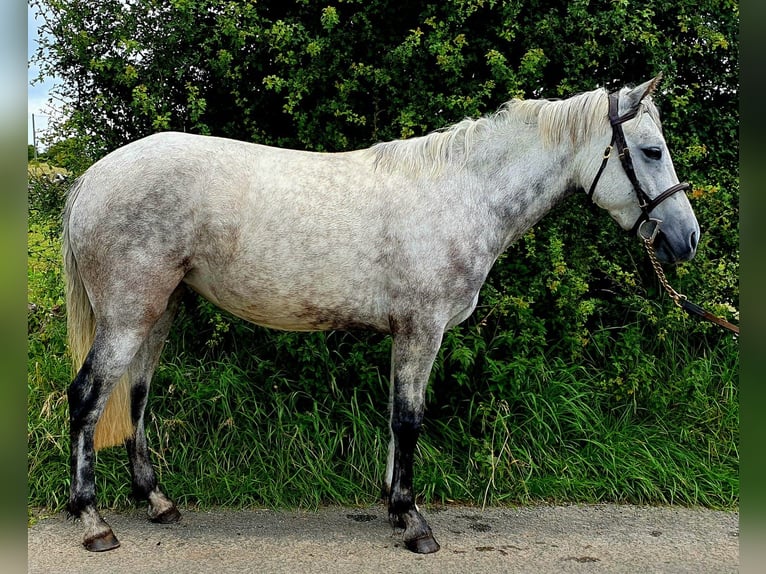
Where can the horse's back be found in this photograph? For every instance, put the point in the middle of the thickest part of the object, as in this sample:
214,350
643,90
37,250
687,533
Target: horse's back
174,180
280,237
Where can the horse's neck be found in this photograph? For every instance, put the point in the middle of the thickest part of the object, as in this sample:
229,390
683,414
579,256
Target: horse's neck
524,184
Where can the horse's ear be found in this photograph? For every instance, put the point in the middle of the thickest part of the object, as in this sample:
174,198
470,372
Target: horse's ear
651,85
634,96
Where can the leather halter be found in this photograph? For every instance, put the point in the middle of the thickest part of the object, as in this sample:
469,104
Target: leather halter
646,203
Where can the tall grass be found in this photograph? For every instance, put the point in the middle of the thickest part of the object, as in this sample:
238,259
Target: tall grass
223,435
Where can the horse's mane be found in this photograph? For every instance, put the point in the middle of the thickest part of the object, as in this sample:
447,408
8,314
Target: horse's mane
578,118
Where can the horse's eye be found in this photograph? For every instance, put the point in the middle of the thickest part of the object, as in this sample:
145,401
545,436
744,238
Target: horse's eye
652,152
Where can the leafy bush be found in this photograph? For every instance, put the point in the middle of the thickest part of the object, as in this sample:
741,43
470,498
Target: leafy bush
575,379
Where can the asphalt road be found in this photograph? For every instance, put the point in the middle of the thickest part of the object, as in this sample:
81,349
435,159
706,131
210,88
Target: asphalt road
537,539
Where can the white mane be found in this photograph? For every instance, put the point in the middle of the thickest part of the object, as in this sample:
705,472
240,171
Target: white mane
578,118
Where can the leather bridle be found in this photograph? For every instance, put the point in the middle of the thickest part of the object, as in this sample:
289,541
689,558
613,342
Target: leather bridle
646,203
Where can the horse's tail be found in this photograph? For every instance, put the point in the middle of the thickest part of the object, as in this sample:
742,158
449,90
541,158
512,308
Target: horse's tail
115,424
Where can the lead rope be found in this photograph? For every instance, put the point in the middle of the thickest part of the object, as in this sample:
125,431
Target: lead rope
679,298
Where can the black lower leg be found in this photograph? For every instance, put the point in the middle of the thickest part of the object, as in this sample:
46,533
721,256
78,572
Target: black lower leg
141,471
144,479
85,404
401,498
82,397
402,510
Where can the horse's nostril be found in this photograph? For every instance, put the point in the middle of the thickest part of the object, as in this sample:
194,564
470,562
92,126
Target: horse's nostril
693,240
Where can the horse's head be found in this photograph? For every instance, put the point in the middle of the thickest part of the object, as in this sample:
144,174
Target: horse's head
638,186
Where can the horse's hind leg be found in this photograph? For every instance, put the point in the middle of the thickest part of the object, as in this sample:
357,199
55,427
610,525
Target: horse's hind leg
413,354
107,360
144,480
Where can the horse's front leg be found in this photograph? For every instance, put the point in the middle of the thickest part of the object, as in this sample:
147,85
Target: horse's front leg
413,353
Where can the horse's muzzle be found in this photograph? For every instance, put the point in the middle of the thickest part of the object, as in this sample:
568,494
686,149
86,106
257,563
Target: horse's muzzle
676,249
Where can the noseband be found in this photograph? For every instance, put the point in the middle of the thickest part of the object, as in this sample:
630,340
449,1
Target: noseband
646,203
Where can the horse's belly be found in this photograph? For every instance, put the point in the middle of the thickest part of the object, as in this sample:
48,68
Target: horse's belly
297,306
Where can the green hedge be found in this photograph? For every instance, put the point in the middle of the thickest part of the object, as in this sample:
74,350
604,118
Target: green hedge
575,379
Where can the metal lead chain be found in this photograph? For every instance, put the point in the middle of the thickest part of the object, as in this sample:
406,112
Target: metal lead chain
680,299
674,295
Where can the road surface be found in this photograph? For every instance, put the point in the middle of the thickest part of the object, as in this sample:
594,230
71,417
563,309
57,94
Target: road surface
536,539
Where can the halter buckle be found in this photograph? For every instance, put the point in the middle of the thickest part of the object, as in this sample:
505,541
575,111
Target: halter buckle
648,234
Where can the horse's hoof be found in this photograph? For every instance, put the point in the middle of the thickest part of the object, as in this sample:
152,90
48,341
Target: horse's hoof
107,541
423,545
170,516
